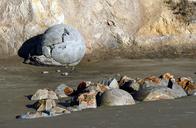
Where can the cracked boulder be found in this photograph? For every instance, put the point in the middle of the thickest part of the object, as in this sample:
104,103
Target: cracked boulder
61,45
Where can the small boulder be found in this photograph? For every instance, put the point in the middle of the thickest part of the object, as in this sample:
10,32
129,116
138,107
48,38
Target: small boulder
102,88
153,81
187,84
180,92
41,94
58,111
124,79
116,97
60,91
167,76
114,83
81,87
155,93
87,100
44,105
68,91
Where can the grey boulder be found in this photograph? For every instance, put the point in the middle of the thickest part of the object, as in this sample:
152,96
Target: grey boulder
157,93
116,97
62,45
180,92
60,91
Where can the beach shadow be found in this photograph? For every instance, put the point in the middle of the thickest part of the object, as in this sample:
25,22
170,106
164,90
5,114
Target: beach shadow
29,97
32,106
31,47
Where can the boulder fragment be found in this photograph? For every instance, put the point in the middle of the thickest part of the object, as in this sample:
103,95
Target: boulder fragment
87,100
102,88
60,91
44,105
33,115
114,83
41,94
68,91
187,84
58,111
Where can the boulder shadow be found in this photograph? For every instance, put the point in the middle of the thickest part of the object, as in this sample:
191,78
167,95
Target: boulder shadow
31,106
30,48
28,97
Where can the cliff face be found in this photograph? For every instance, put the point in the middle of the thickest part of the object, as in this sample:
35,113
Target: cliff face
105,24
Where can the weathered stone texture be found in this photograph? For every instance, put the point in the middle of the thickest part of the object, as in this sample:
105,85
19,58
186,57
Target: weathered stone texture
103,23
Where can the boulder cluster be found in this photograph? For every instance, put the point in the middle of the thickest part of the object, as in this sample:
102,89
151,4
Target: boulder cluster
108,92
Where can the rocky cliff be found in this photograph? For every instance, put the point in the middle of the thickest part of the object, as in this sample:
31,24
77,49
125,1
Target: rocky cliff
137,28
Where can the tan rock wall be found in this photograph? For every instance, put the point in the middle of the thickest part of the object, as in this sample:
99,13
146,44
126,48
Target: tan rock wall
105,24
100,21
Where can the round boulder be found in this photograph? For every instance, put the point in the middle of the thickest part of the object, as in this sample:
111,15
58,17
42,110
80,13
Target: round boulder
63,44
116,97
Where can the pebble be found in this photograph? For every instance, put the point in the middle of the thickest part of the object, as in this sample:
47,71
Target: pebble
58,70
65,74
45,72
68,91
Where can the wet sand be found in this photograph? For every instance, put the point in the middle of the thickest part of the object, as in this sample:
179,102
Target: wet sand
18,80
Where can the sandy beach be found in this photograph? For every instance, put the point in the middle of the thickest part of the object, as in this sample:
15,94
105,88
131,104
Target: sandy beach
18,80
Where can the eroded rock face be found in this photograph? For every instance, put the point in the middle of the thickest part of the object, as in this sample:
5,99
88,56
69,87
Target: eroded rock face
100,21
22,19
173,24
154,26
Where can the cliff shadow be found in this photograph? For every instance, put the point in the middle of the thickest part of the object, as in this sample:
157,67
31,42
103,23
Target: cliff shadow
30,48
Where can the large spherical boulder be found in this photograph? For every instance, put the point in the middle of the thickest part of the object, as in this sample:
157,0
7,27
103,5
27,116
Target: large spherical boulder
116,97
63,44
